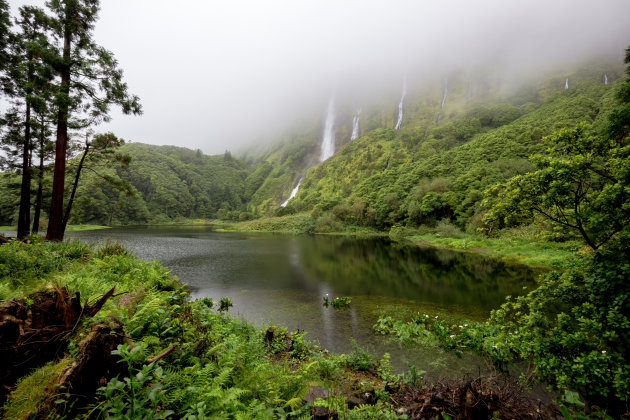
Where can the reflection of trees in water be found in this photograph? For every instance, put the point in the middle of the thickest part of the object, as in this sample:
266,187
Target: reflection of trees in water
380,267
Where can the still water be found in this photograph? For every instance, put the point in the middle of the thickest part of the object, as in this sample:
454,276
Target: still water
282,279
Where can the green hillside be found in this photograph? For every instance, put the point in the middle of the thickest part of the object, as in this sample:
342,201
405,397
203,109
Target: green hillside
170,182
435,167
427,171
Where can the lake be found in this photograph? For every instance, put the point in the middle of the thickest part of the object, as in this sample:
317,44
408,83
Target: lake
282,279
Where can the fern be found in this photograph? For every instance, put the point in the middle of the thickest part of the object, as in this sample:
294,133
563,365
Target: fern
144,315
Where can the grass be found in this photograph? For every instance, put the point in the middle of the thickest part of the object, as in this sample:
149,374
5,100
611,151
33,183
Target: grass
294,223
37,392
68,228
221,363
509,247
72,228
519,245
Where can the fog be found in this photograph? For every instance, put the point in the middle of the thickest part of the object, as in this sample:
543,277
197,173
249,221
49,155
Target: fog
217,75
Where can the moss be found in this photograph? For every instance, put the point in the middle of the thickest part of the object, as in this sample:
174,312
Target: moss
37,395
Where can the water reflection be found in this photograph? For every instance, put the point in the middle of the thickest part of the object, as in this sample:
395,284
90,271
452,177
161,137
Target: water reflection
282,279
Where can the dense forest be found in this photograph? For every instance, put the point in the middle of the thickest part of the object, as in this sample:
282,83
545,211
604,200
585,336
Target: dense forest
426,171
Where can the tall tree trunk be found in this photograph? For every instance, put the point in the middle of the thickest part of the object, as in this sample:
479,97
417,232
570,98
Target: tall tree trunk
40,180
66,217
55,224
24,214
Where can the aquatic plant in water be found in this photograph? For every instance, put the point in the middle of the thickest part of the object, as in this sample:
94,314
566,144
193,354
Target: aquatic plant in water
338,302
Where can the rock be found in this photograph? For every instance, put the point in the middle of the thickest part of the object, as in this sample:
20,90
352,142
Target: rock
269,336
322,413
367,397
315,392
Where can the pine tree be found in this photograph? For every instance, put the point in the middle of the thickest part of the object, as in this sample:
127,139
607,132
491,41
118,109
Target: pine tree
5,25
27,81
90,83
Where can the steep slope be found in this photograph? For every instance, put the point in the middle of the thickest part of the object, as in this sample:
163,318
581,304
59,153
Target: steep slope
435,168
458,134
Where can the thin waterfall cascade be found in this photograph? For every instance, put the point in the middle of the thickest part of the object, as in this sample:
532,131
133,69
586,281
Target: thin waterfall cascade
444,92
400,106
469,92
605,79
293,193
566,83
328,144
328,140
355,125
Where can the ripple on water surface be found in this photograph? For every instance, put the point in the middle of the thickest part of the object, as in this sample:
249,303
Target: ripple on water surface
283,278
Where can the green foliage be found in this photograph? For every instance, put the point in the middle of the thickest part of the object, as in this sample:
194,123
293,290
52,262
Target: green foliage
438,172
359,359
329,368
166,183
408,333
22,266
139,394
338,302
581,183
413,377
575,327
220,365
225,304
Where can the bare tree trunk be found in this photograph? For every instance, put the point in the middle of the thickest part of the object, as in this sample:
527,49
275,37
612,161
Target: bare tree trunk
40,180
24,214
66,217
55,224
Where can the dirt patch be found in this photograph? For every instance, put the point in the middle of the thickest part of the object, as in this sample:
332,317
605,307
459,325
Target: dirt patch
480,398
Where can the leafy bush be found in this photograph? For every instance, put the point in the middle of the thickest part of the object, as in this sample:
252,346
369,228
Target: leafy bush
139,394
359,359
225,303
338,302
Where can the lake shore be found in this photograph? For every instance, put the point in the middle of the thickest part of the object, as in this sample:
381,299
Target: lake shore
176,341
513,246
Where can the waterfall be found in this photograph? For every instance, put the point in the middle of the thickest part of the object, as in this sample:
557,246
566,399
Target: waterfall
355,125
400,106
328,141
605,79
328,144
445,92
293,192
469,92
566,84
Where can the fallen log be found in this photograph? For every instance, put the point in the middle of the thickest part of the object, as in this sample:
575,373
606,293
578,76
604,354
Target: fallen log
33,330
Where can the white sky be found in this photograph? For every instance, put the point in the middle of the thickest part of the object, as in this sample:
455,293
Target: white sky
216,74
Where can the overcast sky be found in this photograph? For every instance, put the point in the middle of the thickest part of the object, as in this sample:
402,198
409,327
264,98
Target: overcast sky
216,74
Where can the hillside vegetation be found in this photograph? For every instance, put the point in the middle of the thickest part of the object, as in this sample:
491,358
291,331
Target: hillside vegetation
436,167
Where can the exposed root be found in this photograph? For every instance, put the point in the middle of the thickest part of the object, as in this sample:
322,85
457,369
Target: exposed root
480,398
33,330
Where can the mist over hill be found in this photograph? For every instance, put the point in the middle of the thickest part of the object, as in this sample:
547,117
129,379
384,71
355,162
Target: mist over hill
458,134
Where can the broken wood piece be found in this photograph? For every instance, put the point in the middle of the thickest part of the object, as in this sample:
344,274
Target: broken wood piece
164,353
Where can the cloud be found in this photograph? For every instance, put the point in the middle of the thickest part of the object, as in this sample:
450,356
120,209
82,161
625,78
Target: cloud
215,75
